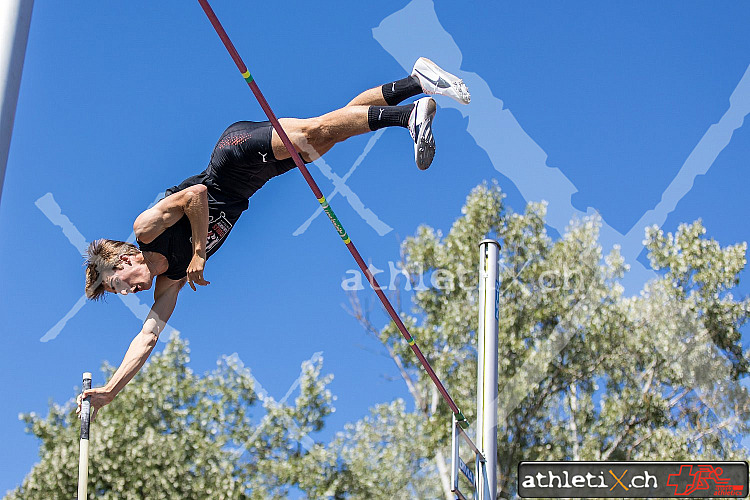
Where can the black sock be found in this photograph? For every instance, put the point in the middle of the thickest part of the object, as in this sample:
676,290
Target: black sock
397,91
389,116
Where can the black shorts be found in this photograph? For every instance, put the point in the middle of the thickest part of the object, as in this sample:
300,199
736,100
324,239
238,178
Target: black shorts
241,163
243,160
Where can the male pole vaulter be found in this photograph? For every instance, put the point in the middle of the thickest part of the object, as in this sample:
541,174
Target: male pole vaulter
177,235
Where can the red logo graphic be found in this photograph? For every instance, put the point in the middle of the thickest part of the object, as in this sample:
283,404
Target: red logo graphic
689,481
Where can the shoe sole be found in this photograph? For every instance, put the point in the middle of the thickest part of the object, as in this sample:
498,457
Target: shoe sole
426,141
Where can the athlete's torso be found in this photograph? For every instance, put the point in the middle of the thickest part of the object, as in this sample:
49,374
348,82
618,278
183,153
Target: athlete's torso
240,164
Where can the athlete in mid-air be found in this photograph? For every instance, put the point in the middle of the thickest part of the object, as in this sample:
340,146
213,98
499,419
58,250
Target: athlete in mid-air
179,233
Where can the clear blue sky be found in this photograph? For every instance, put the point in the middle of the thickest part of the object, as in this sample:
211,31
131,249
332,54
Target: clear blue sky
120,101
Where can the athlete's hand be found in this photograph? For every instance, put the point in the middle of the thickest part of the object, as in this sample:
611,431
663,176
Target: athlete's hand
98,398
195,272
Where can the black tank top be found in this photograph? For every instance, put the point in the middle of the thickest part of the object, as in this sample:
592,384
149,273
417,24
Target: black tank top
174,244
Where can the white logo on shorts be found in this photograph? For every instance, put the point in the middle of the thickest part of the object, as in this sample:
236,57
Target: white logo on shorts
264,156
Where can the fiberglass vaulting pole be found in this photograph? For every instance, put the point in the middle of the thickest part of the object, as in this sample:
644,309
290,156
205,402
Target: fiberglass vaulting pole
327,209
83,459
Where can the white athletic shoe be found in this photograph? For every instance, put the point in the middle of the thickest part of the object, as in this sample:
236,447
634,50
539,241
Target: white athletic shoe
420,127
435,80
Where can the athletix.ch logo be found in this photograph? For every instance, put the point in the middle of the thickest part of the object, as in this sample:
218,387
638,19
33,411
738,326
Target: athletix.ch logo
692,478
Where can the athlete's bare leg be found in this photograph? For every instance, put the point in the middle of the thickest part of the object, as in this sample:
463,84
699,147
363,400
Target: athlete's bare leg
370,97
376,108
313,137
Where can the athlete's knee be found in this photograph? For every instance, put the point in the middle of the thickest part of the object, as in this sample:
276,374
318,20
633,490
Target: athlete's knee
319,134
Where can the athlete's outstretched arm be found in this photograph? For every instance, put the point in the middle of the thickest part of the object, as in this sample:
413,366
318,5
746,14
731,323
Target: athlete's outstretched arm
191,201
165,299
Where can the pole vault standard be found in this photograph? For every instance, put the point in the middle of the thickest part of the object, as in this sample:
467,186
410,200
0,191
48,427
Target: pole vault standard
484,477
329,211
489,314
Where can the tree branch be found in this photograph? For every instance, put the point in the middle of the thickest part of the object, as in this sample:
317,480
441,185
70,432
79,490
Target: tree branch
359,314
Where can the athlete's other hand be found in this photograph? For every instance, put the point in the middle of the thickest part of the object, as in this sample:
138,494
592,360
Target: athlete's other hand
98,398
195,272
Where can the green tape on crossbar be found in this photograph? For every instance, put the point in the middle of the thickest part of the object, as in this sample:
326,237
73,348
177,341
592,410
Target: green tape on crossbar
461,420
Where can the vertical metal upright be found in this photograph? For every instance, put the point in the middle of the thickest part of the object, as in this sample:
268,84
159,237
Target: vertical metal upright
15,17
489,314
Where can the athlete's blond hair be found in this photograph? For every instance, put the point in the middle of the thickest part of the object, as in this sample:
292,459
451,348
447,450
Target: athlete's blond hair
103,256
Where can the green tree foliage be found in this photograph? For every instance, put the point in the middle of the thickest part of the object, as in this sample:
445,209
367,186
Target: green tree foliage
585,373
172,434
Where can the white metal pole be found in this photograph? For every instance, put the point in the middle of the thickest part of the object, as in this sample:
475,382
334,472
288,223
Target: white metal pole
489,313
454,456
15,18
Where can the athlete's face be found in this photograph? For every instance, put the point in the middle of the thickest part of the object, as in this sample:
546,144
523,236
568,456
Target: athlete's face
134,276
